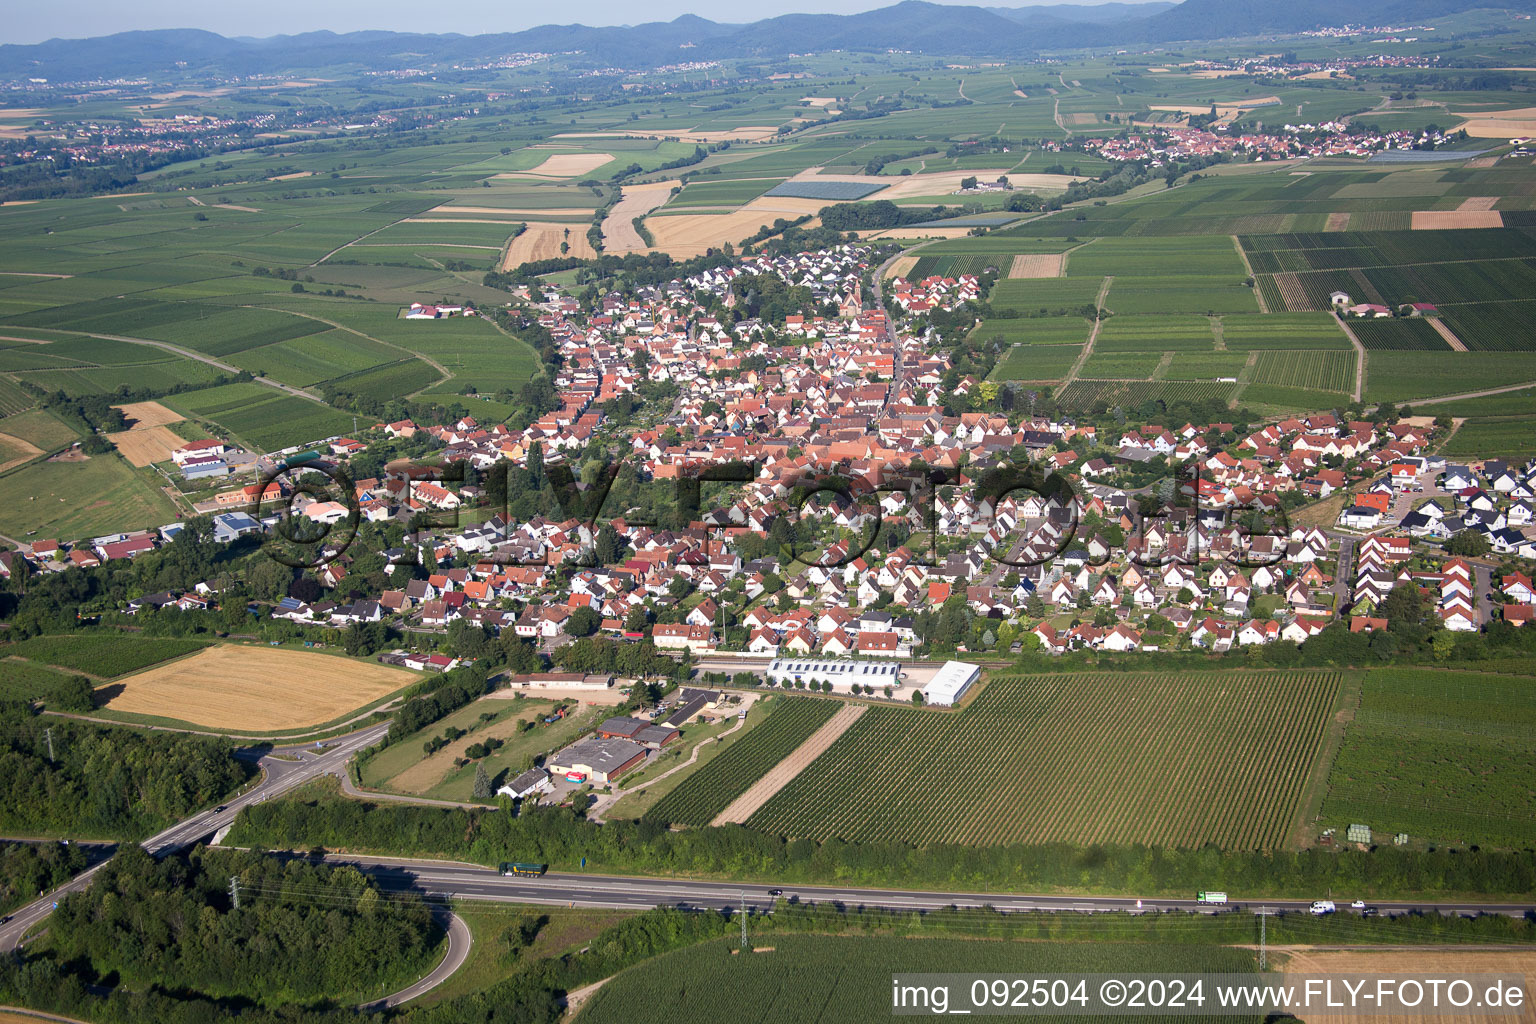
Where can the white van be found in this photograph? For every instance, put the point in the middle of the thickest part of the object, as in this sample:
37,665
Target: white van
1322,907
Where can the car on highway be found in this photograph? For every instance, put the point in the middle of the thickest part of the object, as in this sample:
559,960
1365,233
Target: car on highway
775,892
221,809
1321,908
1357,905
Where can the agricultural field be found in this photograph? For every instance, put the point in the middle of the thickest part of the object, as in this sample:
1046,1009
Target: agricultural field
1209,256
1322,371
703,795
1058,330
1181,294
86,498
1490,436
1448,757
1398,335
1317,331
25,680
1121,365
1093,394
1075,749
264,418
1155,334
1036,363
846,978
255,690
103,655
1400,376
1047,296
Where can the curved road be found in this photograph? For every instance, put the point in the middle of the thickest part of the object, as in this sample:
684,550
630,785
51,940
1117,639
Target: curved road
278,777
459,944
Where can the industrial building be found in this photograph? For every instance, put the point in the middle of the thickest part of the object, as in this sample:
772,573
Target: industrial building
597,760
841,674
950,682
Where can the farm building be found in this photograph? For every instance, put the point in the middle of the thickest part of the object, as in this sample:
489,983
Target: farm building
841,674
597,760
562,681
639,730
530,782
950,682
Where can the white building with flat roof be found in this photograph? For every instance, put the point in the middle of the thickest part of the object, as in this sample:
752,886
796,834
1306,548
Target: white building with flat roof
841,673
950,682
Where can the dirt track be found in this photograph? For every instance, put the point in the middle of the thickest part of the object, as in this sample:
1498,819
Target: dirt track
780,775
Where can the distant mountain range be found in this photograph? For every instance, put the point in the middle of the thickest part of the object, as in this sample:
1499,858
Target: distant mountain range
912,25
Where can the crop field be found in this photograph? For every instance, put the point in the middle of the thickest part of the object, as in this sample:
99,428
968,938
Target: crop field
1047,295
102,654
39,427
1121,365
390,381
1178,760
1181,294
1325,371
1205,365
831,191
1155,334
1444,756
844,979
13,399
257,689
1053,330
1490,436
1397,376
1195,256
1045,363
705,794
954,266
1317,331
1399,335
265,418
1090,394
24,680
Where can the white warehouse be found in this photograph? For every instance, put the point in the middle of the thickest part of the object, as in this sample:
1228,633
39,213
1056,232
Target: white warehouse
950,682
841,674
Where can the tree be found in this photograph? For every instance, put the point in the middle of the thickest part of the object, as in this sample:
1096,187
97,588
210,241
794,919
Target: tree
482,790
1468,543
917,697
583,622
269,579
76,694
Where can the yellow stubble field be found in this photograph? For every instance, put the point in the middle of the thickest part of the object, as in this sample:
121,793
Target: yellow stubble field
256,689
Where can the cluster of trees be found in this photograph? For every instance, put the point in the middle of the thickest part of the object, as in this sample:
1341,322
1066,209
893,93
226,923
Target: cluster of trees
600,655
27,870
881,213
105,781
303,934
436,697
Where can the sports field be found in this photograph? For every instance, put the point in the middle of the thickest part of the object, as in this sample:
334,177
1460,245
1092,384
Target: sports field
256,689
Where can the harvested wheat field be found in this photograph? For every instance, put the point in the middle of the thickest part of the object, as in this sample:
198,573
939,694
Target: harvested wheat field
901,267
256,690
542,242
1426,963
691,234
1479,203
1500,124
144,446
26,451
148,414
619,234
1449,220
911,232
1038,264
1337,222
564,165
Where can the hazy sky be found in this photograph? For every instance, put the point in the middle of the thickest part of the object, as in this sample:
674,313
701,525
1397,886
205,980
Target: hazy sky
73,19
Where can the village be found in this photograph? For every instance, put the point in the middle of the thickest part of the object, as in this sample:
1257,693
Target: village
893,567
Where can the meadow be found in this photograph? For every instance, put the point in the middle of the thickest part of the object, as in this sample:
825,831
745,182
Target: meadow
89,498
1448,757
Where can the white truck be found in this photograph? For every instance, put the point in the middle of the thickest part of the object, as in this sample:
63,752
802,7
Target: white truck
1218,899
1323,907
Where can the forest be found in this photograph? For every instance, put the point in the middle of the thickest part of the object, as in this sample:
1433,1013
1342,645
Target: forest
104,782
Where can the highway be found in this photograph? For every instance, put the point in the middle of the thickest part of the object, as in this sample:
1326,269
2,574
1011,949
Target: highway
436,878
283,769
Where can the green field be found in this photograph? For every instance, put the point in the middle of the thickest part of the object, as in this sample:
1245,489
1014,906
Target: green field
791,720
822,979
1448,757
1055,295
1283,331
102,654
70,500
1036,363
1322,371
1155,334
1490,436
1232,758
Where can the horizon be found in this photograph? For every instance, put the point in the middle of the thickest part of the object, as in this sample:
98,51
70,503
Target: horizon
44,24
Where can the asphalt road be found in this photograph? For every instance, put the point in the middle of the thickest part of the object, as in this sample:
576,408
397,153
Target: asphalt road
459,943
452,880
278,776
